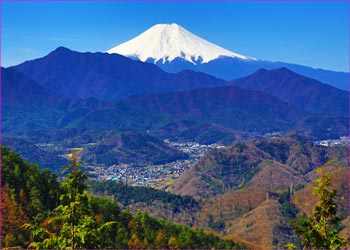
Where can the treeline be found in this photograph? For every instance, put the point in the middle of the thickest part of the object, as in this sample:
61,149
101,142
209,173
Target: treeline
40,212
127,195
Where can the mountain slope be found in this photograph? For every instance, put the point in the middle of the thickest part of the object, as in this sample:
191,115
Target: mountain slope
127,147
26,104
96,147
276,162
31,152
108,77
173,49
258,226
298,90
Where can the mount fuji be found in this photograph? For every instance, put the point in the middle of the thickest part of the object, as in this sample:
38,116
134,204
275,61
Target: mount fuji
167,42
173,49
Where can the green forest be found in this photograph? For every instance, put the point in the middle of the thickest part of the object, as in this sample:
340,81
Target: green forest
40,211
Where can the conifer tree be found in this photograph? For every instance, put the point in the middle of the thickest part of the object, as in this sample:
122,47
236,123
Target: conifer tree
72,222
320,231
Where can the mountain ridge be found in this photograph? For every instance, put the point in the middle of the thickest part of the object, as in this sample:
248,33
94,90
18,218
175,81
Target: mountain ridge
301,91
108,77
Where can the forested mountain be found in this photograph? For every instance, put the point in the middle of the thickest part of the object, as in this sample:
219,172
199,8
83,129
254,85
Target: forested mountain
107,77
301,91
105,148
271,163
29,151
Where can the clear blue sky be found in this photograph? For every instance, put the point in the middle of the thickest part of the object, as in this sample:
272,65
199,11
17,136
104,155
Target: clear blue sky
307,33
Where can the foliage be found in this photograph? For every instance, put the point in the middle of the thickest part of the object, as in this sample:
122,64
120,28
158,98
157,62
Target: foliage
128,194
321,229
33,153
288,209
27,195
79,220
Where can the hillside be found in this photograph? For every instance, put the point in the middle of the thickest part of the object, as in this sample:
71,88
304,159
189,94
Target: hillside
128,147
304,200
103,148
33,153
259,225
277,162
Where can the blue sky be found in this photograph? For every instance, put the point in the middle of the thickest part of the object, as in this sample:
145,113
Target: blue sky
307,33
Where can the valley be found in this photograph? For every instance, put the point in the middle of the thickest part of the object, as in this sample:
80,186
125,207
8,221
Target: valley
159,176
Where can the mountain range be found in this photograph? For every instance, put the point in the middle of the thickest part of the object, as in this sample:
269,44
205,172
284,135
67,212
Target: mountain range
107,77
167,104
176,115
173,49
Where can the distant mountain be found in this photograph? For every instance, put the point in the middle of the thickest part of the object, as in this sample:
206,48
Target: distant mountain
107,77
301,91
173,49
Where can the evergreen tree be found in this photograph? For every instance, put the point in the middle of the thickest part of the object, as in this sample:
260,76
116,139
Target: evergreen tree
72,222
321,229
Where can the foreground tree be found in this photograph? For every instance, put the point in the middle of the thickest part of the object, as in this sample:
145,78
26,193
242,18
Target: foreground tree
320,231
71,224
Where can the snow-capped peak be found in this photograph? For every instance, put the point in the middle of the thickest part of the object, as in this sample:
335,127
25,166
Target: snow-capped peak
166,42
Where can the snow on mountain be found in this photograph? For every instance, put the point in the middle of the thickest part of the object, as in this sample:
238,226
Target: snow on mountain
166,42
